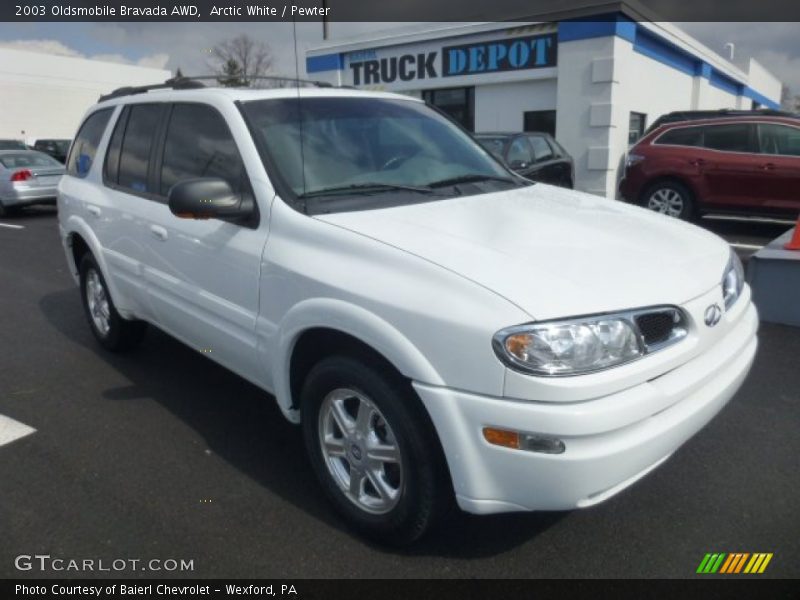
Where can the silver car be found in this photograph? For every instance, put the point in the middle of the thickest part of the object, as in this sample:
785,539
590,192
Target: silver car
27,177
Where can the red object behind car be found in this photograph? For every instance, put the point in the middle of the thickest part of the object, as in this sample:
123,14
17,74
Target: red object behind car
741,165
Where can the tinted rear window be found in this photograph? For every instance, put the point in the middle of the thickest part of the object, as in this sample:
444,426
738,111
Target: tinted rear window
687,136
136,145
12,145
729,138
84,149
28,159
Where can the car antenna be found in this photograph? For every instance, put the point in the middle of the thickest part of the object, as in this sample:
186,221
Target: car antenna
299,105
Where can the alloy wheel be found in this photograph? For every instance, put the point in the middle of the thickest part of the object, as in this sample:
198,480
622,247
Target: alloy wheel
666,201
360,451
97,300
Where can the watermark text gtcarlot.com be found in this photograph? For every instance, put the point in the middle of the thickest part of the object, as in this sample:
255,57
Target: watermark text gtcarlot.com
46,562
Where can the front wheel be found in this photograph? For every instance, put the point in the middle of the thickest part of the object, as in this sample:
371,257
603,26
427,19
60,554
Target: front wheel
111,330
373,449
669,198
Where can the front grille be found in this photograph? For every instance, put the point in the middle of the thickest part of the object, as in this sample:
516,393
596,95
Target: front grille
658,327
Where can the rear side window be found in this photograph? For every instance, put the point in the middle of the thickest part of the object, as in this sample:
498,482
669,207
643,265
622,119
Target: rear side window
199,144
137,143
685,136
541,149
778,139
728,138
84,148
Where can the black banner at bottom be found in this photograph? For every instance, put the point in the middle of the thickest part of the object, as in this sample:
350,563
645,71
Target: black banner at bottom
388,589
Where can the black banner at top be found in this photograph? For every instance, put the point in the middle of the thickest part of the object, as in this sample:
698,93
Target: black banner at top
396,10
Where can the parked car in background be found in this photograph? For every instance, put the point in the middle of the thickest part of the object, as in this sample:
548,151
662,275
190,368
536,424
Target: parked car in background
747,165
27,177
56,148
13,145
536,156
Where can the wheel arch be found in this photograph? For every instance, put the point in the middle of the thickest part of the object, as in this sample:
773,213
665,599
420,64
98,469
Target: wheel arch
80,239
684,182
319,327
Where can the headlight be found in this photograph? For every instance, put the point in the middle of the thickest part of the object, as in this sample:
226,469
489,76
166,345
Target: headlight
586,344
632,159
732,280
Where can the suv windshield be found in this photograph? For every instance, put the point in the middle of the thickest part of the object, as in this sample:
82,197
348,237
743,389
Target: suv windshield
383,151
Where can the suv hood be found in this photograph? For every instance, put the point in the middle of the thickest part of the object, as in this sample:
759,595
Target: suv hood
553,252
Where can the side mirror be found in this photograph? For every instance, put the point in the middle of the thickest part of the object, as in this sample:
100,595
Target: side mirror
208,198
518,164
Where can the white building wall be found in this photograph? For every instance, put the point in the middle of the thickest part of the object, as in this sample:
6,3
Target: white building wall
500,107
587,77
45,96
651,87
762,80
712,97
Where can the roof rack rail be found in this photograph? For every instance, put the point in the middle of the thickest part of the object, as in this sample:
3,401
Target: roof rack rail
186,83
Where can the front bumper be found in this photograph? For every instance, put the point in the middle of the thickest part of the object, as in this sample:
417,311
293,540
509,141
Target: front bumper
603,455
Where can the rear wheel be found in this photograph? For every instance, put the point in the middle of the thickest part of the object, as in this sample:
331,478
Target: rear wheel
373,449
669,198
111,330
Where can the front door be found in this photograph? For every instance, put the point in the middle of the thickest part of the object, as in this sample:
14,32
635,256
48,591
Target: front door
202,276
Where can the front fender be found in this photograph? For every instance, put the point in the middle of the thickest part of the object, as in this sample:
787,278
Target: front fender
352,320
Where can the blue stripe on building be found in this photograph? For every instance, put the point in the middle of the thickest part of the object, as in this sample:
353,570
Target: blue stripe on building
324,62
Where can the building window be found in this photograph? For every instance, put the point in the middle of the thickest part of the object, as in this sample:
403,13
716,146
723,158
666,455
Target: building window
542,121
459,103
638,123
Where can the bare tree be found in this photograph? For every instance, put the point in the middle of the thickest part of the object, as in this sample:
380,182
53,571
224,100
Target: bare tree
241,61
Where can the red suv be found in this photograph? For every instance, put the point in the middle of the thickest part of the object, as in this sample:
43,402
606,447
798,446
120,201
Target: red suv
742,165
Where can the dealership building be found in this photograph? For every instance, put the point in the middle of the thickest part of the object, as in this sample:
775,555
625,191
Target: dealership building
46,95
593,81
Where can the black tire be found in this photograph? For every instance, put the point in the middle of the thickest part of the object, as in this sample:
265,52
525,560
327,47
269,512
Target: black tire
122,334
659,197
425,493
3,210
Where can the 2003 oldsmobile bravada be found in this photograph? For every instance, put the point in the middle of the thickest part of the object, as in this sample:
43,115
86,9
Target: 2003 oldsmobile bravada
439,327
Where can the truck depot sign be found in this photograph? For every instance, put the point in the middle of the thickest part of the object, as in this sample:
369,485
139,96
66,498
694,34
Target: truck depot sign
508,54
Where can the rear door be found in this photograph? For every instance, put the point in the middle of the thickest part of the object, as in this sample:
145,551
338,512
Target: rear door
779,164
732,177
128,181
202,276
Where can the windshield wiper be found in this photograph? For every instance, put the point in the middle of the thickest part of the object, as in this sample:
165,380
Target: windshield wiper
472,178
366,188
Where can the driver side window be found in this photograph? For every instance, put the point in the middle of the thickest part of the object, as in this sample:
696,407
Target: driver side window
199,144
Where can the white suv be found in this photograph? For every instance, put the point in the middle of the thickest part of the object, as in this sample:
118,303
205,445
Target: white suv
440,327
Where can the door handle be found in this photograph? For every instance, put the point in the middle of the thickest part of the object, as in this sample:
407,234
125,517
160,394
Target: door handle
93,210
158,232
768,167
697,162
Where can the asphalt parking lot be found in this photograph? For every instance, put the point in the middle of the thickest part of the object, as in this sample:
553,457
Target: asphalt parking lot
162,454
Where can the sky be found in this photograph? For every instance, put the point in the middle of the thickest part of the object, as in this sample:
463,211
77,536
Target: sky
186,45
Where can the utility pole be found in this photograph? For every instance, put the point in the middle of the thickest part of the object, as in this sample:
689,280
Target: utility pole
324,20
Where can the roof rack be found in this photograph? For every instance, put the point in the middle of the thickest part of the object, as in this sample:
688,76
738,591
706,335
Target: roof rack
696,115
188,83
